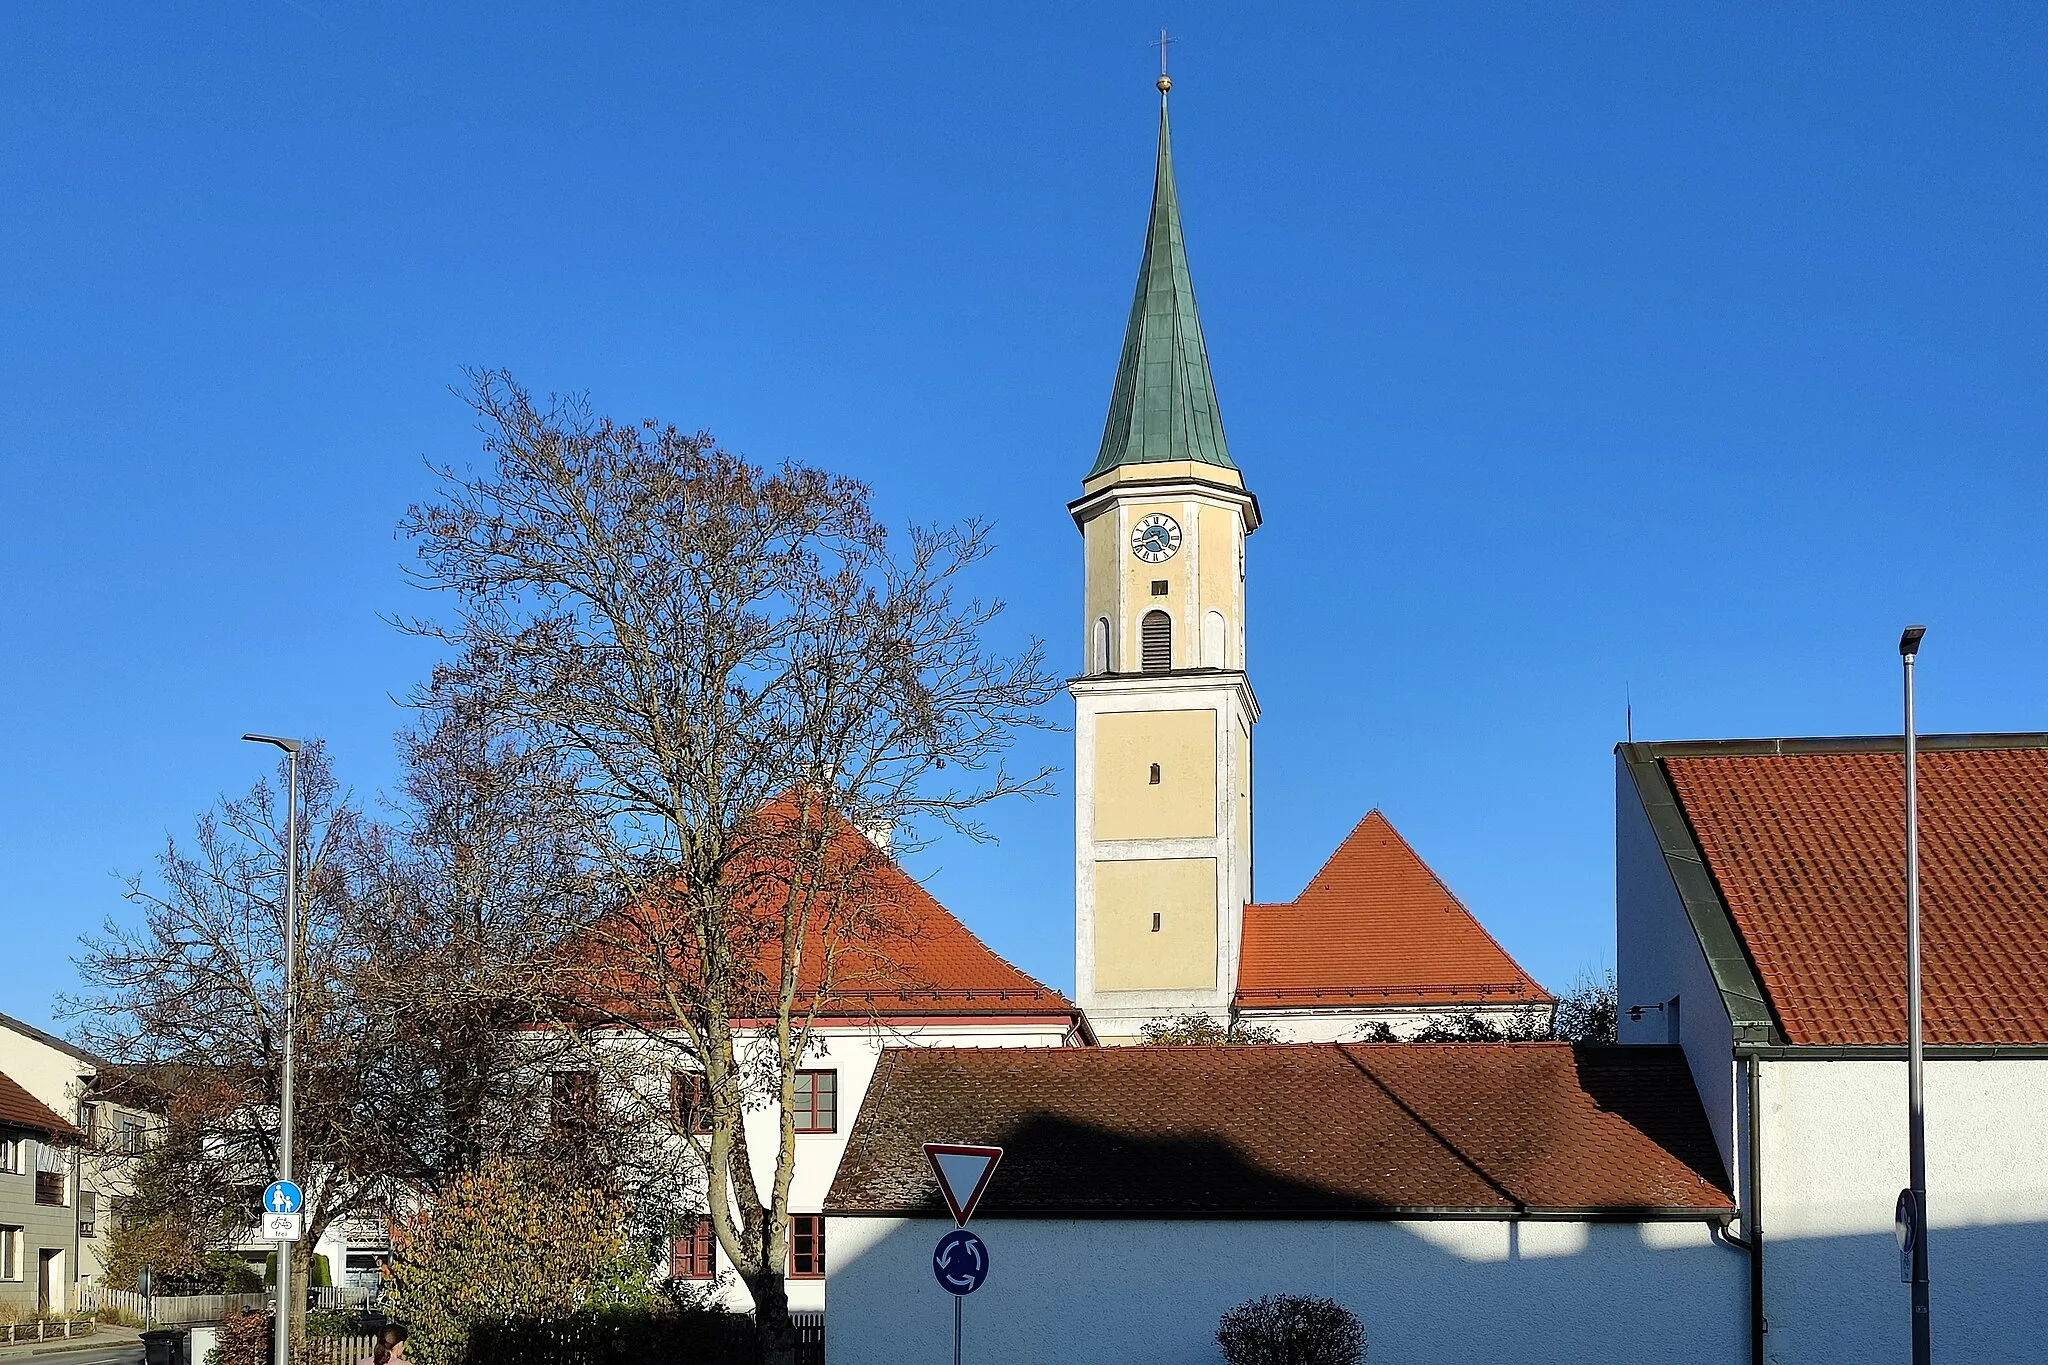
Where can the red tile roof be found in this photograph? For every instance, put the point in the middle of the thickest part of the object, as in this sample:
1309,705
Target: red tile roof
899,954
1296,1131
19,1109
1807,851
1375,926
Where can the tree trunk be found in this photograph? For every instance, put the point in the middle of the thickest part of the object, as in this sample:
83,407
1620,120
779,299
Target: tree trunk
774,1333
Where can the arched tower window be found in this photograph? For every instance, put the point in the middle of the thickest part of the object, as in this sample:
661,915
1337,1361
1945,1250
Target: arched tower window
1099,657
1155,639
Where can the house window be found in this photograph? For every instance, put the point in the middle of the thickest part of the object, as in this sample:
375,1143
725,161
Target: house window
11,1155
692,1257
817,1101
132,1135
10,1253
572,1101
88,1212
92,1125
807,1246
1154,779
689,1102
50,1188
1160,587
1155,642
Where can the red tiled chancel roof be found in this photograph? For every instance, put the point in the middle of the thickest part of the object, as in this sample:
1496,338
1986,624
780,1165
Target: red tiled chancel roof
19,1109
1340,1130
1807,849
1375,926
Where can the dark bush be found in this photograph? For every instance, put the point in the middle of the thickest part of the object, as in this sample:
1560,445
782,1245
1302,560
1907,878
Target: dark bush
1288,1329
243,1339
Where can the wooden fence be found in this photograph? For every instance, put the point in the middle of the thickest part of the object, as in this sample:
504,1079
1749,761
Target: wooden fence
172,1310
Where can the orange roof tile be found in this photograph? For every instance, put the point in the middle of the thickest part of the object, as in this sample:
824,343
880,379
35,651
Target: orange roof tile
1291,1131
901,954
1375,926
1807,851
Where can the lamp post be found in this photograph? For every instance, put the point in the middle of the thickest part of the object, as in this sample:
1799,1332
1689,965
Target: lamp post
281,1331
1913,1200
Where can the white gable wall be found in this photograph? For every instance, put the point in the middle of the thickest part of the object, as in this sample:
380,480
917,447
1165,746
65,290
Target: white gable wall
1658,959
1145,1292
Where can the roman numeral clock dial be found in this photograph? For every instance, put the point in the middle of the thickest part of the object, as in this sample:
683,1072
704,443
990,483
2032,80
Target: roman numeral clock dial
1155,538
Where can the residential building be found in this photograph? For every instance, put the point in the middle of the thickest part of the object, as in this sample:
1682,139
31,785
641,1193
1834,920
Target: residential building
39,1232
112,1118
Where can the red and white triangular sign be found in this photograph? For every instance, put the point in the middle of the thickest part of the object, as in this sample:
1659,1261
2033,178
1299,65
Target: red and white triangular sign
963,1174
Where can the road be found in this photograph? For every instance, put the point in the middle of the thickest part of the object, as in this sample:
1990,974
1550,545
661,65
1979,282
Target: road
127,1353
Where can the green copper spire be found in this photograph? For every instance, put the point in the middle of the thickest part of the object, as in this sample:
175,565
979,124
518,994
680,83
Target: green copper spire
1164,404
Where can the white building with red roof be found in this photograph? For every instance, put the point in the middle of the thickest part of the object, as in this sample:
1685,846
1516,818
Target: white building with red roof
1761,927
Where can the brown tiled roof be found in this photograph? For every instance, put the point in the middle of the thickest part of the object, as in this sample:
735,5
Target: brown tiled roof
1331,1130
1806,845
19,1109
1375,926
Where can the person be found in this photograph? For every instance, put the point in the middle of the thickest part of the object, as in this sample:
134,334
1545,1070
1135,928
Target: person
390,1347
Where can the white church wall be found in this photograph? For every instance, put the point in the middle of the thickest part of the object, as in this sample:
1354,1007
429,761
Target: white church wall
1117,1292
1834,1138
1658,959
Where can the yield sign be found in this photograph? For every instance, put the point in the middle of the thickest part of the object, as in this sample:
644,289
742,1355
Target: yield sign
963,1174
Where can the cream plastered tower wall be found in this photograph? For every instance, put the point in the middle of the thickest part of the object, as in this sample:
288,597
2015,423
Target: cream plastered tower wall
1162,759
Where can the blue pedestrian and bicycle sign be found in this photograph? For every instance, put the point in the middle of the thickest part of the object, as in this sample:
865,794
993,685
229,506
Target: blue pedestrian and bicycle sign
282,1196
961,1262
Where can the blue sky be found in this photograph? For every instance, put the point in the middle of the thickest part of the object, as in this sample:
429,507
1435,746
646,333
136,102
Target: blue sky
1576,353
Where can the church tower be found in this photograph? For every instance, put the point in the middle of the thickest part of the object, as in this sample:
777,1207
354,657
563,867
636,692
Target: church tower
1164,712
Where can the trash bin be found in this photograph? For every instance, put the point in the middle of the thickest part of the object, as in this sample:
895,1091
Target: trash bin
164,1346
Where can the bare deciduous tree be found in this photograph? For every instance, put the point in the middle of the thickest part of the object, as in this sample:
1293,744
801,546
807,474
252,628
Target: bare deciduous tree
193,997
736,666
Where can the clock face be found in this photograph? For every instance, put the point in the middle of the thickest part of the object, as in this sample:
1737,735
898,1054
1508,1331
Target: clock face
1155,538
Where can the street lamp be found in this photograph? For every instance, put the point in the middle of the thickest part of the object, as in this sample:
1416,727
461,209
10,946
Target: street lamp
280,1332
1913,1199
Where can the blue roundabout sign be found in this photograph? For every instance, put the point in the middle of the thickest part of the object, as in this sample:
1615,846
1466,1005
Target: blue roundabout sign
961,1262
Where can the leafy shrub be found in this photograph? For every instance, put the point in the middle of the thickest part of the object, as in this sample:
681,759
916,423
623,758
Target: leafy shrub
243,1338
1197,1029
512,1243
1288,1329
317,1274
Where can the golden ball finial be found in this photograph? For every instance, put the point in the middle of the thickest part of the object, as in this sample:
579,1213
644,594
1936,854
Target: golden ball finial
1164,85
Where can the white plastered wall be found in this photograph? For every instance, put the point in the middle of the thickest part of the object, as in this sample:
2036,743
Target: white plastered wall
1130,1292
1834,1160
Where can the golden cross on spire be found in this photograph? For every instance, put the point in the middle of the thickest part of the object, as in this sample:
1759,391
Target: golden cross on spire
1165,81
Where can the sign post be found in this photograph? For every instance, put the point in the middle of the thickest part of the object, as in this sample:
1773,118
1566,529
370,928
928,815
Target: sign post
961,1261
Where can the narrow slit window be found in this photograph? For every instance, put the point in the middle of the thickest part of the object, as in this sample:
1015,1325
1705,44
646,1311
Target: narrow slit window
1155,921
1154,779
1161,586
1155,642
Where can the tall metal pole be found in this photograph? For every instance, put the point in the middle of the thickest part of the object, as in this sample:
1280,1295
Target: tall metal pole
956,1329
1916,1107
281,1327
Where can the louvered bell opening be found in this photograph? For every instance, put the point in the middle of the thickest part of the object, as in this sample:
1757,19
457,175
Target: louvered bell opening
1155,635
